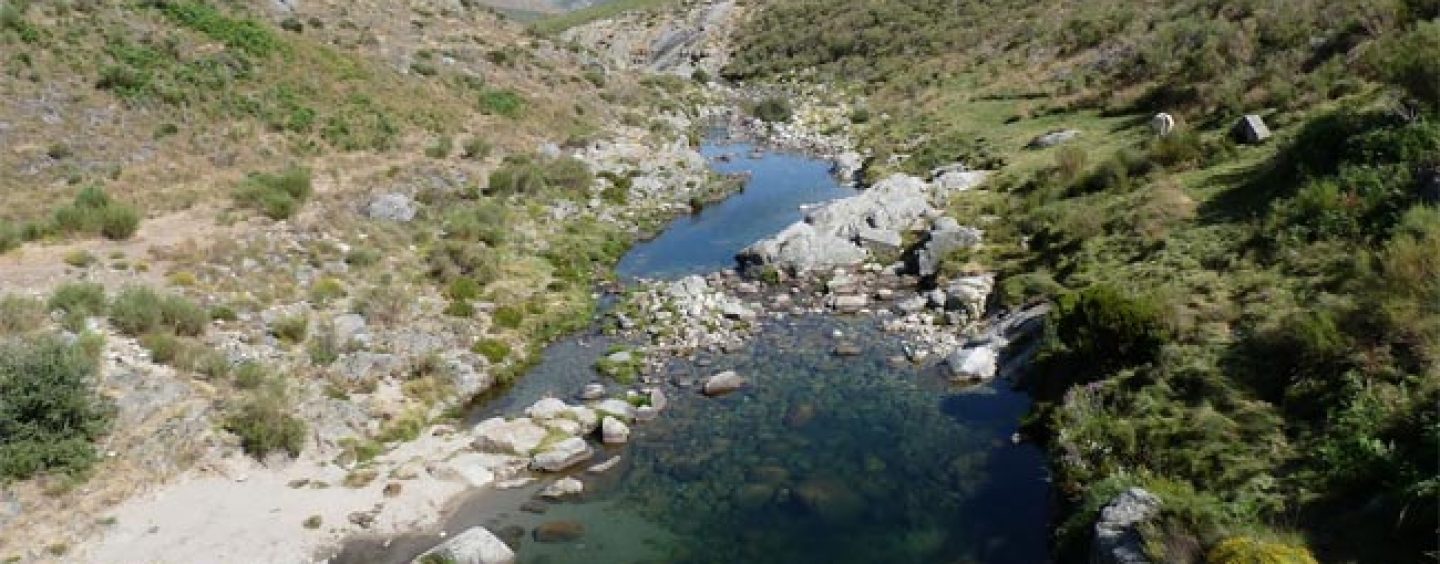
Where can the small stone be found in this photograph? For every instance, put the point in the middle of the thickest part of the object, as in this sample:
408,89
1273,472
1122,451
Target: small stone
563,487
592,391
604,466
847,349
535,506
614,431
392,489
724,383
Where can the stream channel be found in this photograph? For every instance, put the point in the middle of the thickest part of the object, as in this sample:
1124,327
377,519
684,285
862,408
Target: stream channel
823,459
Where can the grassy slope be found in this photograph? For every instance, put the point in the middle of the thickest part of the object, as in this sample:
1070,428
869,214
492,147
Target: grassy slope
557,24
1215,246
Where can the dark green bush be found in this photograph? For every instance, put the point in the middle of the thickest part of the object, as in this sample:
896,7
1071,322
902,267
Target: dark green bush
278,196
773,110
1103,329
94,212
1411,61
50,413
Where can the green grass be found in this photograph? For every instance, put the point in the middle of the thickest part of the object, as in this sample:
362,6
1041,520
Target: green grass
277,196
556,24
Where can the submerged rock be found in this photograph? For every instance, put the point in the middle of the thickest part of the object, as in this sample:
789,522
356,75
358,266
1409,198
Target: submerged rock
563,487
559,531
724,383
476,545
1053,138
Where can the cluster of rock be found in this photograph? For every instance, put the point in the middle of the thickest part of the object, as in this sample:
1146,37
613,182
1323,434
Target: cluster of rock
846,232
692,314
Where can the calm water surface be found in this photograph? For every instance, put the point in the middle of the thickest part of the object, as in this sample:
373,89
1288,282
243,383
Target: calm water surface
824,459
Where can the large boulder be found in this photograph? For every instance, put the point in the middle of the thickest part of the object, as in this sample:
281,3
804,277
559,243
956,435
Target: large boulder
830,236
476,545
724,383
391,207
1251,130
562,455
945,238
516,436
975,364
1117,532
969,294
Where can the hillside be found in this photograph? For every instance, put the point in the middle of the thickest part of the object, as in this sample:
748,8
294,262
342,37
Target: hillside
254,244
1249,331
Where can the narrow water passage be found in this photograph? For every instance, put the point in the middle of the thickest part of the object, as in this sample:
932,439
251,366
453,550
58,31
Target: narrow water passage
780,183
824,459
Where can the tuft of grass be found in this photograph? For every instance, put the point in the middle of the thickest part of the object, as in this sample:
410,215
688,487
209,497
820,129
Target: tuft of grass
263,420
137,310
278,196
20,314
94,212
494,350
291,329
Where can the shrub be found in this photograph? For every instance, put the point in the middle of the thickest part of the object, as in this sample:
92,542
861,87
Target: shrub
137,310
278,196
1245,550
1103,329
442,148
49,411
94,212
485,221
324,346
502,103
772,110
509,316
494,350
460,308
385,305
183,316
249,375
326,289
516,176
362,257
463,289
10,236
80,258
476,149
86,299
292,328
450,260
19,314
119,222
1411,61
264,422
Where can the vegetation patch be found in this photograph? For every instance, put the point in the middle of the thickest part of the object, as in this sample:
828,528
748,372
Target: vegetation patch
277,196
50,414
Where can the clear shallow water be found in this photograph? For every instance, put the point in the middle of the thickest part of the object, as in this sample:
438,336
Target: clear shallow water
706,242
824,459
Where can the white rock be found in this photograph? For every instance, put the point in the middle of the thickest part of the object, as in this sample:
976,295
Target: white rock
562,488
470,468
476,545
562,455
548,408
604,466
519,436
614,431
616,407
724,383
978,363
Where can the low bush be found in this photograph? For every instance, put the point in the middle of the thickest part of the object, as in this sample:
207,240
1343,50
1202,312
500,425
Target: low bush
1102,330
50,413
451,260
505,103
278,196
509,316
326,289
94,212
476,149
494,350
84,299
463,289
264,421
183,316
19,314
384,305
138,310
291,329
773,110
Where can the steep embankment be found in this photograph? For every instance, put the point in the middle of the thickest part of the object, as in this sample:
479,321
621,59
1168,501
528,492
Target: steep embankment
278,242
1248,331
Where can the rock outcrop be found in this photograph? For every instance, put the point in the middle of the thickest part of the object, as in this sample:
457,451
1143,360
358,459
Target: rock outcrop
476,545
1117,532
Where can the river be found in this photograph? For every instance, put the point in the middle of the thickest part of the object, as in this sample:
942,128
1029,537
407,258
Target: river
825,459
